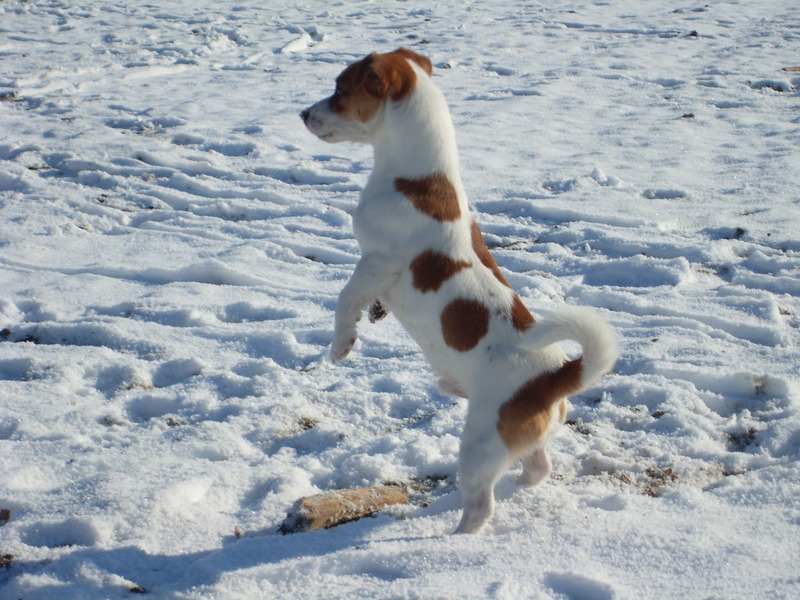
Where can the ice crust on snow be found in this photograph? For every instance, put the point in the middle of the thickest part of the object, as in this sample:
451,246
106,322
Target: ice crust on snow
172,244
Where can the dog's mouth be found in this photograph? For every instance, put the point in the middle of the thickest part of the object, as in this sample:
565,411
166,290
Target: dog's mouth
326,136
314,125
329,136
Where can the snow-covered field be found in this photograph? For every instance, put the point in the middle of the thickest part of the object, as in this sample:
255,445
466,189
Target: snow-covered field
172,243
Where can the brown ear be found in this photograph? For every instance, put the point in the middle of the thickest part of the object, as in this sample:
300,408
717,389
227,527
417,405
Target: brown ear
390,75
375,82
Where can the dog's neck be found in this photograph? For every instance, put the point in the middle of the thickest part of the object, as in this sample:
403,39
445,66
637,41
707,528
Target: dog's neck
417,137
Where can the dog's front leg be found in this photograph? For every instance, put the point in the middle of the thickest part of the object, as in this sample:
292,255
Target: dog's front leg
371,277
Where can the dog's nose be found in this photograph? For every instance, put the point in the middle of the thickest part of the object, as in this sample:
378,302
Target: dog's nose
304,115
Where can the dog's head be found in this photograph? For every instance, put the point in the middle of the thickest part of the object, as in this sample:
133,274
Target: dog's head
362,90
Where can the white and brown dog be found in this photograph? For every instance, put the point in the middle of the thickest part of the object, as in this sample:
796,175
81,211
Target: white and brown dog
424,259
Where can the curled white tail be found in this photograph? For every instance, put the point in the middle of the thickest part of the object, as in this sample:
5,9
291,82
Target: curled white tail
583,326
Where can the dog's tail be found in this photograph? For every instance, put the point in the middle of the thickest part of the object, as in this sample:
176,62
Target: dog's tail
582,325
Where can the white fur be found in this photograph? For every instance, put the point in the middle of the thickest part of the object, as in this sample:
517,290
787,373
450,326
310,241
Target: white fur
413,138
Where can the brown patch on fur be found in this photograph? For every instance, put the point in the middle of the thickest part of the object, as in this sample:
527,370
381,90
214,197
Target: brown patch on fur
431,269
524,418
480,249
562,411
521,318
464,323
352,100
364,85
433,195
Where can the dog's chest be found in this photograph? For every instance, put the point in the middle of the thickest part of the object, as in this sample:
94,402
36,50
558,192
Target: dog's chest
384,221
443,296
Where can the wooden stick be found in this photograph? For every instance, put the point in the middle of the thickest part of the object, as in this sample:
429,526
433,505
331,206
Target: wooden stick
330,509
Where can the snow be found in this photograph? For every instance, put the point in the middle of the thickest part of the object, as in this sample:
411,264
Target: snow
172,243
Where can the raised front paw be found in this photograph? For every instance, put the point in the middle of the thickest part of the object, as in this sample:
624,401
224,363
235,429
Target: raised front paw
341,347
377,312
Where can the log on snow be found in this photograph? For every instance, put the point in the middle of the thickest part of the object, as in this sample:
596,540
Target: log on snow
330,509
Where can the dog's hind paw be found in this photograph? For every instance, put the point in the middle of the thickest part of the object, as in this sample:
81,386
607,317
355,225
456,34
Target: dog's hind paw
478,507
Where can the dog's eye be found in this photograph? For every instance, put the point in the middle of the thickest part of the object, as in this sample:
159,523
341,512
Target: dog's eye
339,91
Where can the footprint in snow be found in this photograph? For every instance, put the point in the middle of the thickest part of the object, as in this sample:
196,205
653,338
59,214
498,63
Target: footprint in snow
304,41
231,149
664,194
245,312
18,369
502,71
72,532
137,124
186,139
578,587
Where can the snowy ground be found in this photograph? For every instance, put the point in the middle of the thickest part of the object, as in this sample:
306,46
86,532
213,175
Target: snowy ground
172,242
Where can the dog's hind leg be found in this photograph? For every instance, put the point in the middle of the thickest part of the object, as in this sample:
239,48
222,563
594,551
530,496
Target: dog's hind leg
478,507
535,467
483,458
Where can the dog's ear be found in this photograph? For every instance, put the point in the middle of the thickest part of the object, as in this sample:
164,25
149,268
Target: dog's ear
390,75
376,76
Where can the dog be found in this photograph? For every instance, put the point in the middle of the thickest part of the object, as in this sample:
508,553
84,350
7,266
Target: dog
423,258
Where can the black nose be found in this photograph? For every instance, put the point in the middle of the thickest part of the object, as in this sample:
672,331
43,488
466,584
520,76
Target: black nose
304,115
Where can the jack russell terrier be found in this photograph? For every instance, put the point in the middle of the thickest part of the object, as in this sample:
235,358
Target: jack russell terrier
424,259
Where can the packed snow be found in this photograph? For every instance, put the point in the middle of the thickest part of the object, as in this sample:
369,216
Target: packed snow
173,241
